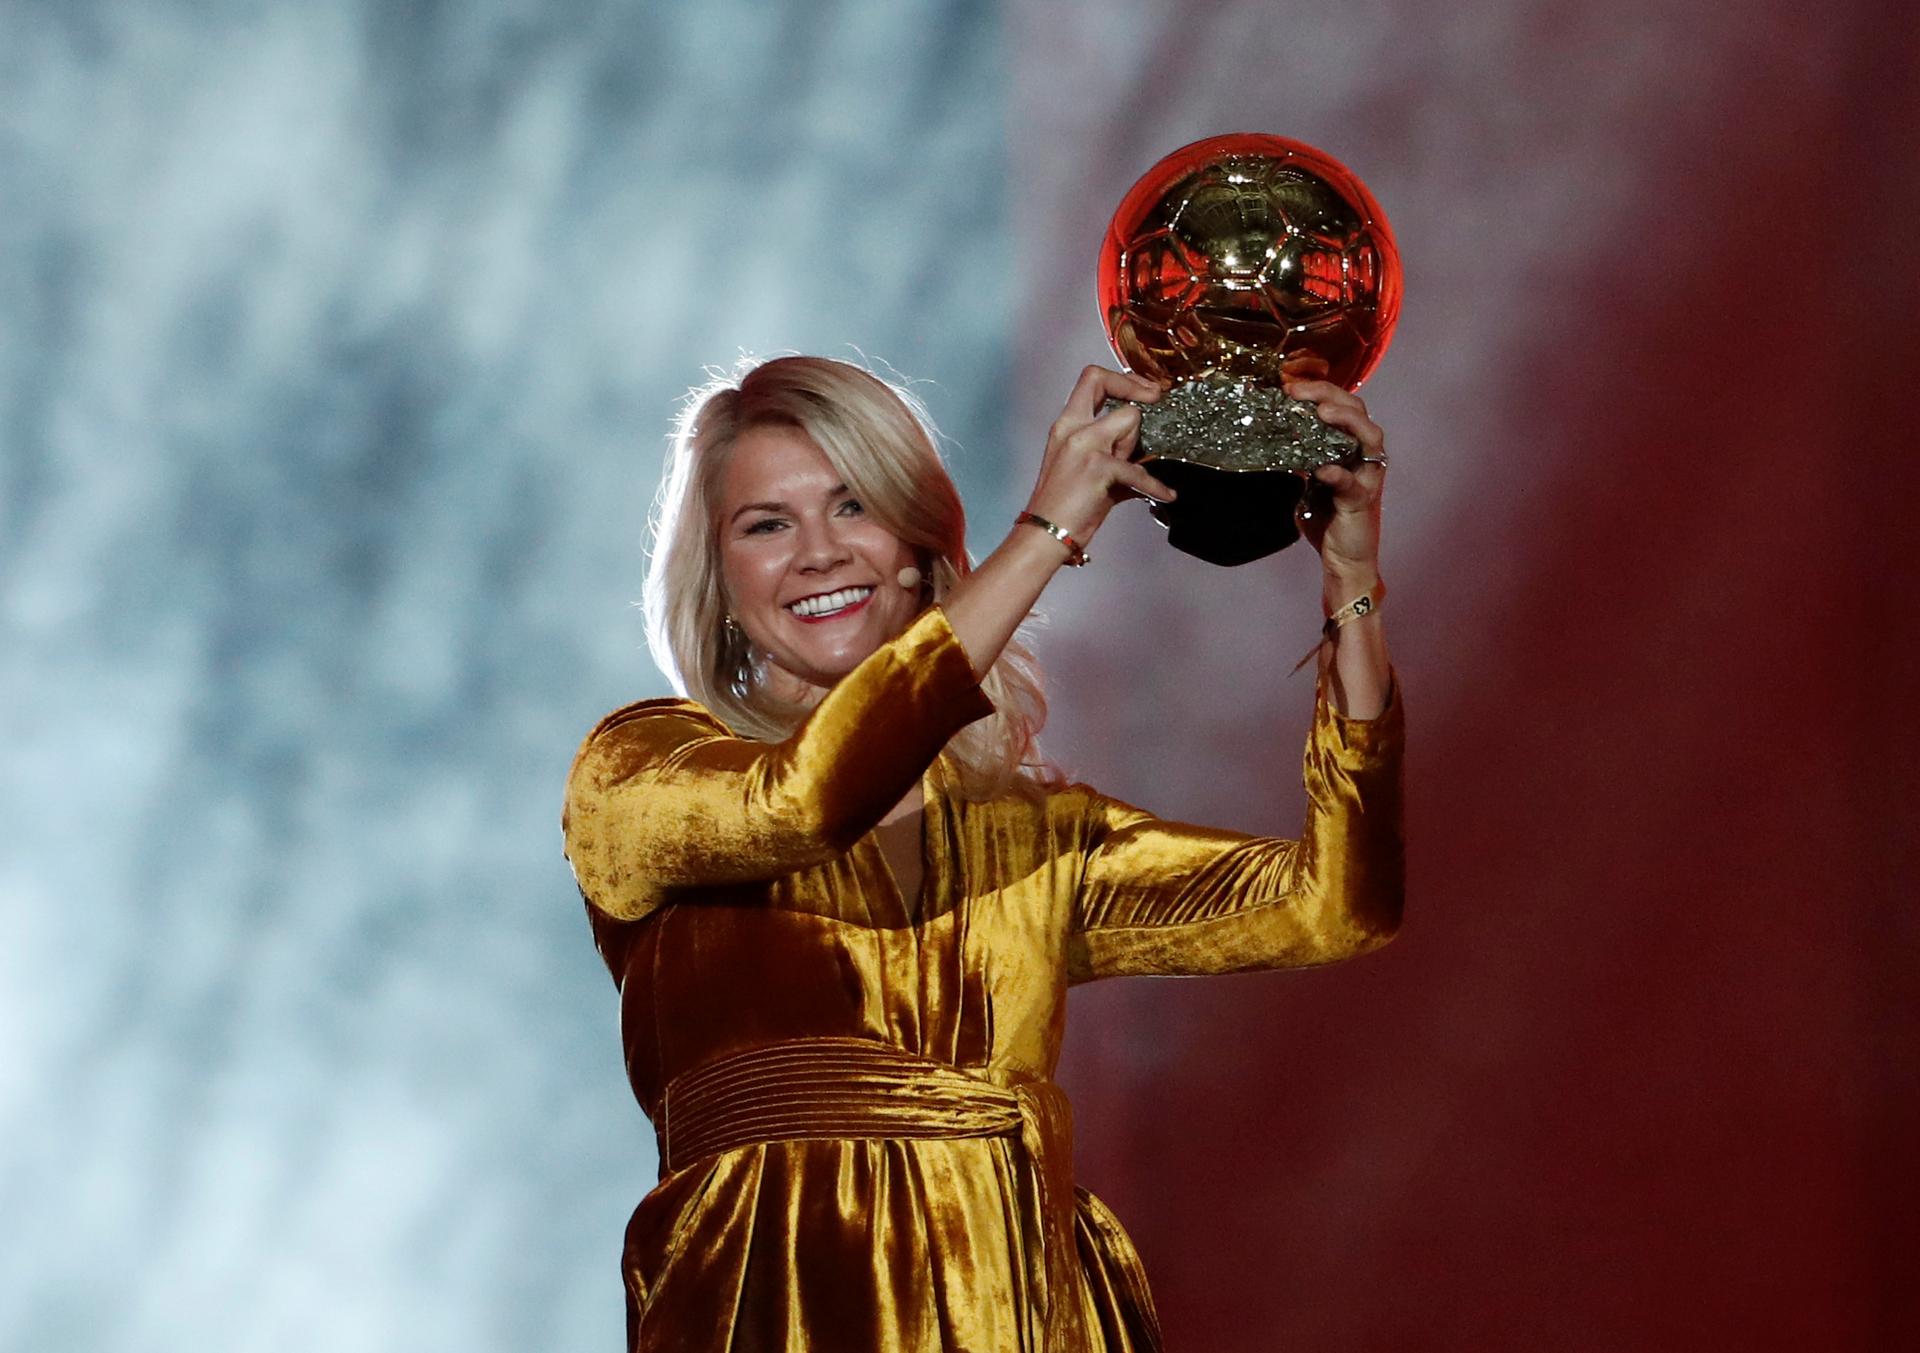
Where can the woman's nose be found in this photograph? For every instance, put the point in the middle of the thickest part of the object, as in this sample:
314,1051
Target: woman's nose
820,547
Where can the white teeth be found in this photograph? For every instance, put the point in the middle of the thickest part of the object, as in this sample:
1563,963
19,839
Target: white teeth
831,602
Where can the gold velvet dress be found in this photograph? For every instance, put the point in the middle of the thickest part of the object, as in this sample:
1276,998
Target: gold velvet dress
860,1145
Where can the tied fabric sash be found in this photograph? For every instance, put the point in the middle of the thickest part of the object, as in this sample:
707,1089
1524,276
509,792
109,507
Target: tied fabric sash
839,1088
826,1087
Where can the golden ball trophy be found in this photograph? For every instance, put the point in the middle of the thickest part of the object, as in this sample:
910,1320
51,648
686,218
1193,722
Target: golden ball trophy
1232,263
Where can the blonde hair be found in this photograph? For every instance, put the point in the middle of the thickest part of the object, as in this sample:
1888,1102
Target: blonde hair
879,440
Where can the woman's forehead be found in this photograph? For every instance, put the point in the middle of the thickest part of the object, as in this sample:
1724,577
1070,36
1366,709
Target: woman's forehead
773,460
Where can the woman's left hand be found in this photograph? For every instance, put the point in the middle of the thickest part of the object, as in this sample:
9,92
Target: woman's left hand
1345,524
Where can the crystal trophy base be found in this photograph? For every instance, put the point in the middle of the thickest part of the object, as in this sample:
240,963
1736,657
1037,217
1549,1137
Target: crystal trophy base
1239,456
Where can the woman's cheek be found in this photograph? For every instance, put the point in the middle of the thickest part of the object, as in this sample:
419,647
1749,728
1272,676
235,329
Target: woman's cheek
756,574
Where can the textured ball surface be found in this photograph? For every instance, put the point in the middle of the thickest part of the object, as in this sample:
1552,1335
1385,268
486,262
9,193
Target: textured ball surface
1249,256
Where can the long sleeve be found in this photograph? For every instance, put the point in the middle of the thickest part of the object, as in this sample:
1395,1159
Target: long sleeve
662,795
1167,898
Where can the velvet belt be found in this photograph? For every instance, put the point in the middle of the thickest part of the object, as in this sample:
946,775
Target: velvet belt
826,1087
815,1088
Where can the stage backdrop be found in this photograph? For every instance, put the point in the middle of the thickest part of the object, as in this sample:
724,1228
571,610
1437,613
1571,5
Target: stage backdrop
341,342
1640,1071
338,345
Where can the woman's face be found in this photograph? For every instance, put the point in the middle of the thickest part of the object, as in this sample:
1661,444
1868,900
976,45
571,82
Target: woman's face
810,577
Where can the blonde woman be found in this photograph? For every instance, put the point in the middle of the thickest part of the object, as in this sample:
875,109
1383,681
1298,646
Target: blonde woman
843,898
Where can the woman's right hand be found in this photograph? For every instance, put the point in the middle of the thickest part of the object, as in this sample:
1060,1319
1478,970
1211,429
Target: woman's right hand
1085,472
1088,467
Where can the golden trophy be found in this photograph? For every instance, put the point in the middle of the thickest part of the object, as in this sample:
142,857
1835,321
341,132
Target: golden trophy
1232,262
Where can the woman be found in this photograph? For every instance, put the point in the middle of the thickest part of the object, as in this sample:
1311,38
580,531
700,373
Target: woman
843,899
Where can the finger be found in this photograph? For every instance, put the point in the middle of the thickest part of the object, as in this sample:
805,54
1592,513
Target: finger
1355,422
1328,396
1338,407
1353,489
1318,391
1097,384
1131,476
1106,433
1338,478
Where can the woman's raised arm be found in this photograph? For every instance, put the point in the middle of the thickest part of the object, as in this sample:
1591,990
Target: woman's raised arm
661,795
1085,471
1346,532
1164,897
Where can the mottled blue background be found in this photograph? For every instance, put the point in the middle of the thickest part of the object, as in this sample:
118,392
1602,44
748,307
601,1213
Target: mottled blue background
340,344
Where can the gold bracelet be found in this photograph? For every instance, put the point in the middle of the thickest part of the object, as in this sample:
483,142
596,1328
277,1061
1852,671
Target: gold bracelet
1078,557
1365,604
1361,605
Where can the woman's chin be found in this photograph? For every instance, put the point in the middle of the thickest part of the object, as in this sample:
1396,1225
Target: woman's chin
825,670
823,664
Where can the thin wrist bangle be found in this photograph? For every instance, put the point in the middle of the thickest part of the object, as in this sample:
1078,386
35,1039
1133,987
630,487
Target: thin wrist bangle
1365,604
1076,558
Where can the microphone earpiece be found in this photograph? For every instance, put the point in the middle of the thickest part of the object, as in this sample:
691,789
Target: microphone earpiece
909,577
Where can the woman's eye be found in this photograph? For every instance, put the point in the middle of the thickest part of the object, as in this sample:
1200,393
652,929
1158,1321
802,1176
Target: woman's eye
764,526
851,505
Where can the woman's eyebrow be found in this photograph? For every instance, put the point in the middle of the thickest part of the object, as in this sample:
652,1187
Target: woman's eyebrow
756,507
831,493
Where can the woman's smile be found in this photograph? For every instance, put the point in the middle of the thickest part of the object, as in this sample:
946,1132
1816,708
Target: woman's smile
823,607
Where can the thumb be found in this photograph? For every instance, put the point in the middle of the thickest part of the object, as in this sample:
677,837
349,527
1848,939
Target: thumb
1350,493
1137,479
